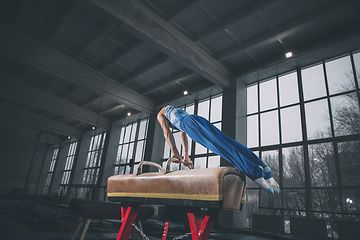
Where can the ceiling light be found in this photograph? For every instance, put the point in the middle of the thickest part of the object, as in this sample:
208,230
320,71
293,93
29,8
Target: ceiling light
93,128
69,137
129,114
186,93
289,54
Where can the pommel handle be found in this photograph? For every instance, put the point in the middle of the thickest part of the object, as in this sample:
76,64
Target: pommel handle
148,163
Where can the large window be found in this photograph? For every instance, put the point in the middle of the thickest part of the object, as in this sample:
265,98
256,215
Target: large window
211,109
94,157
51,171
306,126
131,146
68,167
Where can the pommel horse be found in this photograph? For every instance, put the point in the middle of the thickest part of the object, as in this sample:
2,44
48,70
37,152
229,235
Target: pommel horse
210,188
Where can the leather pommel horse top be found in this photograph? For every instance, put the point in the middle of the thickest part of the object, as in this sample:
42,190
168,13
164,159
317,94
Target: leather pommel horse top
218,188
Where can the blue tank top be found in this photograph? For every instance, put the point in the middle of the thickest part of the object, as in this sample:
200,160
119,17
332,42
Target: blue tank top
174,116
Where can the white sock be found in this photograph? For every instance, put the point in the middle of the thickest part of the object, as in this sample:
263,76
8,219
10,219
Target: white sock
273,184
264,185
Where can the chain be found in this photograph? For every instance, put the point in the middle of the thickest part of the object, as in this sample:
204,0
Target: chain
143,234
182,236
139,230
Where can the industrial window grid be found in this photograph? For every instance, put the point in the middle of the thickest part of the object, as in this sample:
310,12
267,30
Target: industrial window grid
211,109
334,195
94,158
131,146
68,167
51,171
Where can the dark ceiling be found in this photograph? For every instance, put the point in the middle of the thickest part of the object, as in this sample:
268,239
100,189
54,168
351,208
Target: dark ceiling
69,65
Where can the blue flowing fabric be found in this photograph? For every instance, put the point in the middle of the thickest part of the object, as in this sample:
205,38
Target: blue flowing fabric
205,133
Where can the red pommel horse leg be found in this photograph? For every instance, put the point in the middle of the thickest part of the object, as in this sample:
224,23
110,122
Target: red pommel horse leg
201,227
128,216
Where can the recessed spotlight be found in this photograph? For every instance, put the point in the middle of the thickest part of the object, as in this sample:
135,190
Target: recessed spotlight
186,93
69,137
129,114
93,128
289,54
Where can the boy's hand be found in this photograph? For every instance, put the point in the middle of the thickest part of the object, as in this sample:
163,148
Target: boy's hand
188,163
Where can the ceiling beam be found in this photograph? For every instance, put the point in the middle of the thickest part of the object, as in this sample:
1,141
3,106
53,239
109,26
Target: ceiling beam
135,44
33,120
151,28
184,9
152,64
63,21
183,75
112,108
232,20
22,47
25,93
282,30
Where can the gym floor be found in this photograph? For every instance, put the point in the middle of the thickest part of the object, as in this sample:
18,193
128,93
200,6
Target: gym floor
23,220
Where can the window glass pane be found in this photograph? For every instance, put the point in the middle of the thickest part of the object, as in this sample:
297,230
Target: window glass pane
269,128
357,65
340,75
252,99
214,161
216,109
190,109
349,157
325,200
271,159
322,165
173,166
346,114
189,144
204,109
166,150
200,162
199,149
350,200
103,140
178,141
124,153
118,155
133,132
131,150
313,82
139,151
288,89
317,119
268,95
142,129
218,125
252,204
252,131
293,167
127,133
294,199
291,124
127,169
121,140
269,200
96,143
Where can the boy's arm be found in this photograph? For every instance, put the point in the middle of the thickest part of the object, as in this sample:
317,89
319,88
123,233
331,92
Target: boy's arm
168,134
185,144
